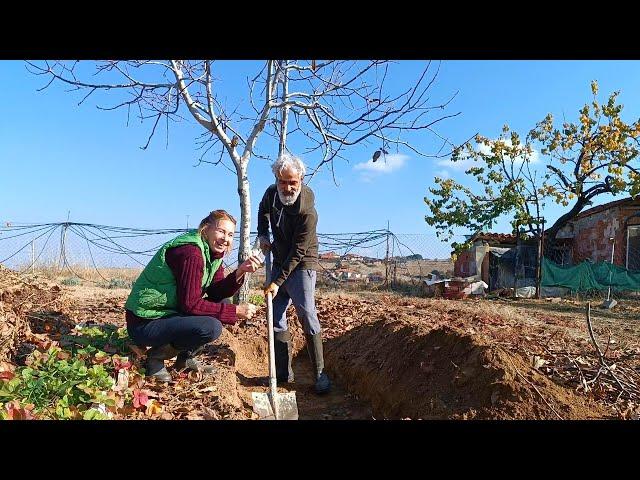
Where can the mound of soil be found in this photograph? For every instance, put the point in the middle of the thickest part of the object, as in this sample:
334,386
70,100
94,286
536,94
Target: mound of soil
409,370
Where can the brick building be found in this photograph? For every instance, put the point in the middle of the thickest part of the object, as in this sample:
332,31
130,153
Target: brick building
475,261
593,233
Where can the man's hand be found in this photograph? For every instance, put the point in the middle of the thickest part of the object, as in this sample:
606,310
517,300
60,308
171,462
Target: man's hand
272,289
265,244
245,311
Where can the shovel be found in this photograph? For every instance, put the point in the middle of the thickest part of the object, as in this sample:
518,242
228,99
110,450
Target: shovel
273,405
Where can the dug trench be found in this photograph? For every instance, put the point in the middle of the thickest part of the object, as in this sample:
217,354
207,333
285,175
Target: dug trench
409,368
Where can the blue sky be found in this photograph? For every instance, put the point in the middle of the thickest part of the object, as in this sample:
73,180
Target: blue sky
56,156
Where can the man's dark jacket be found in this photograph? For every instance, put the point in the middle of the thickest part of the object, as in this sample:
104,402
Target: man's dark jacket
295,242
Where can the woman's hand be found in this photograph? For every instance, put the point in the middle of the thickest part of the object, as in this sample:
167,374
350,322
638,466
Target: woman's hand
245,311
250,265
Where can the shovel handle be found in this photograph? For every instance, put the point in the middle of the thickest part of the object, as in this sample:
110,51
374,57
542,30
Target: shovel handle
267,267
273,392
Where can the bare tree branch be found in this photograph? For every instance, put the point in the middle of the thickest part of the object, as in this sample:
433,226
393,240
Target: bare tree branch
334,104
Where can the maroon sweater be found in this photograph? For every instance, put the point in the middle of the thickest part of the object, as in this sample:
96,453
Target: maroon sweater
187,265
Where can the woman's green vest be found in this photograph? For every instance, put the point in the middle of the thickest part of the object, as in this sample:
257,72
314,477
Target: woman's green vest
154,293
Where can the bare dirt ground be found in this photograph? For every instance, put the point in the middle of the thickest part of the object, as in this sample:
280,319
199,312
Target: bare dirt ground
390,357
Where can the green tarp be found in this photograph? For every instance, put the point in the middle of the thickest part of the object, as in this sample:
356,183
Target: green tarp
589,276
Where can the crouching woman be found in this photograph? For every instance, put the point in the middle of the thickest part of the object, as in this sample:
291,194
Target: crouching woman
167,309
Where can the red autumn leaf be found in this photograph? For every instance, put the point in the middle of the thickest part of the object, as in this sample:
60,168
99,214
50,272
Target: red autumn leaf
120,365
140,398
62,355
7,371
16,412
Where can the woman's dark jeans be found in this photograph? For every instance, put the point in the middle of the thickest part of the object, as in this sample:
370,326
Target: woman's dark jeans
182,332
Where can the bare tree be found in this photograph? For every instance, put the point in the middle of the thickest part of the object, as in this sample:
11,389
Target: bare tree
329,105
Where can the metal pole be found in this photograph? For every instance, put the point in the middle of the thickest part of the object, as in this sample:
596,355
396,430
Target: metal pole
33,255
395,263
627,252
613,248
63,240
62,234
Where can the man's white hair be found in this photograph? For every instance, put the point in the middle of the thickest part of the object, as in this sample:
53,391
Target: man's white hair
287,160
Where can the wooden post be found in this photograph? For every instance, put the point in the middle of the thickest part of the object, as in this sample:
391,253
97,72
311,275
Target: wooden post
386,260
63,239
540,256
515,261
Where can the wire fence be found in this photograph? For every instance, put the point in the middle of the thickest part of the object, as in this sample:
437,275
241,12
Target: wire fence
113,257
108,256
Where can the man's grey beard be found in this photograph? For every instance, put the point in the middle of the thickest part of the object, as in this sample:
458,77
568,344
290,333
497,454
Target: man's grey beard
288,199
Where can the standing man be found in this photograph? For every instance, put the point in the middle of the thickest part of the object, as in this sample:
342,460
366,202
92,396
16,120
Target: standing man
288,206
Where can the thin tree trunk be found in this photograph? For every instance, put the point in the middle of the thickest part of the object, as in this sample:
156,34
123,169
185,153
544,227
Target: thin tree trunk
285,110
245,228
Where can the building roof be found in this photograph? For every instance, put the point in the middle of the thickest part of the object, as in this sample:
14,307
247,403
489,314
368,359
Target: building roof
495,237
605,206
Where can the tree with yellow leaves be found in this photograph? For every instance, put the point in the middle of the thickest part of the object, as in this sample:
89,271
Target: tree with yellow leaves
578,161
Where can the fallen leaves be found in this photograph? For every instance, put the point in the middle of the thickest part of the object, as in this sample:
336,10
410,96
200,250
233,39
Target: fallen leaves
141,397
153,408
16,411
7,370
537,362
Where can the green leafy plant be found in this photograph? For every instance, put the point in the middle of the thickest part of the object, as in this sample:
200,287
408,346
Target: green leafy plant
105,337
256,299
58,385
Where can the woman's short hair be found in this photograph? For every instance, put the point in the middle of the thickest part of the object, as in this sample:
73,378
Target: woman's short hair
213,218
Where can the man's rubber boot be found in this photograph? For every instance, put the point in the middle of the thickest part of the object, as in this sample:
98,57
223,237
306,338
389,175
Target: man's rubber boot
186,360
283,352
156,356
314,347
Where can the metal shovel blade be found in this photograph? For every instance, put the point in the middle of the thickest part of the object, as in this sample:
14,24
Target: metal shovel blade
286,406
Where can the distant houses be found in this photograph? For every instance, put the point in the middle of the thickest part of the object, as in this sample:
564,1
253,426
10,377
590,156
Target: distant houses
347,275
329,256
348,258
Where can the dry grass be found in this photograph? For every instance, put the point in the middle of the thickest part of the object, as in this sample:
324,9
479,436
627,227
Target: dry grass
88,275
